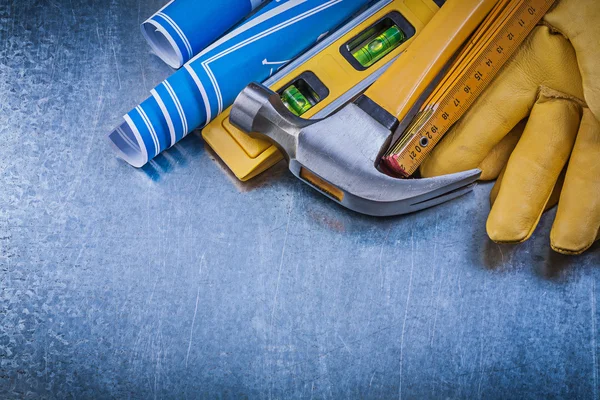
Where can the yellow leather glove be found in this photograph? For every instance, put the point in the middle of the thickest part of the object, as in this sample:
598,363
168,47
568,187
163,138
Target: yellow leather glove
538,118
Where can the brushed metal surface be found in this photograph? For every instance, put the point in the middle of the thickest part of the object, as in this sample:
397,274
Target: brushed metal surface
178,282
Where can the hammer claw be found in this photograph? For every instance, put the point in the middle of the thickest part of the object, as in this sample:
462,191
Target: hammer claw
338,156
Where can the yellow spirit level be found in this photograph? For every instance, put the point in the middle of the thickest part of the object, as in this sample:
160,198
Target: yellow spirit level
325,78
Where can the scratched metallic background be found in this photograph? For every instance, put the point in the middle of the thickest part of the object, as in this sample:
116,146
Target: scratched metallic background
177,282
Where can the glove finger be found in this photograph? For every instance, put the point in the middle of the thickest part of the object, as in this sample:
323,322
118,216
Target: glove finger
577,223
579,21
495,162
533,169
496,188
553,197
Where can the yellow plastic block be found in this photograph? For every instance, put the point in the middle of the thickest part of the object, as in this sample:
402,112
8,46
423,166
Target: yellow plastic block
248,157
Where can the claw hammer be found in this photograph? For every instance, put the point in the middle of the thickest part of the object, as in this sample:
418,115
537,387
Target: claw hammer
339,155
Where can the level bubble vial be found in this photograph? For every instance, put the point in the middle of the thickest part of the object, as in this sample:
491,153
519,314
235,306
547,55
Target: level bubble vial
295,101
379,47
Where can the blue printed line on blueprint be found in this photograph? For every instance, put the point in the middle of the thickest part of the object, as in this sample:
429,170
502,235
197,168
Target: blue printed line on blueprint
206,63
183,28
211,81
178,31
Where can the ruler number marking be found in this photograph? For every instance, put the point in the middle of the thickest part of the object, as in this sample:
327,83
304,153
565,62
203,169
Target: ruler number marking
472,84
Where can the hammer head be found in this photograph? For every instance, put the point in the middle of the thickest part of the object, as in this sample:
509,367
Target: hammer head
338,156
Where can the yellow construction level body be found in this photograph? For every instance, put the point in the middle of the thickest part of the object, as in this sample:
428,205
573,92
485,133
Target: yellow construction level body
334,71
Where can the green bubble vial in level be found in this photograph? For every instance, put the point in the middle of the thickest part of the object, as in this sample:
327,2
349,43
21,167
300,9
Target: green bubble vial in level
377,48
295,101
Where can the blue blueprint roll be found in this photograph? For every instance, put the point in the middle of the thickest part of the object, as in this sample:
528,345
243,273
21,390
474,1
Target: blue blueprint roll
210,82
183,28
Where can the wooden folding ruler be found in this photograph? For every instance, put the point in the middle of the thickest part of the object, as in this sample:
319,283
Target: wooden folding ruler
490,47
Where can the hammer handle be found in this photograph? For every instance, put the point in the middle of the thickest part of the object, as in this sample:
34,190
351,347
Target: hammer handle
404,82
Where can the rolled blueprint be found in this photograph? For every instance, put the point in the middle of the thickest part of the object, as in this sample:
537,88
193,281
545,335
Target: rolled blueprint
183,28
210,82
